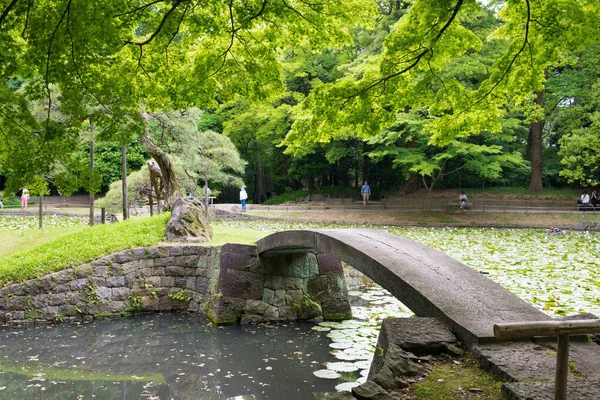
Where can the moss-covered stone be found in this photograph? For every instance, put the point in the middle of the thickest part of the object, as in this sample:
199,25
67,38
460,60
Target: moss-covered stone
225,310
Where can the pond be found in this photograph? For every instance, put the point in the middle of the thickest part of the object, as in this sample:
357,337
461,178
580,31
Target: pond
179,356
162,356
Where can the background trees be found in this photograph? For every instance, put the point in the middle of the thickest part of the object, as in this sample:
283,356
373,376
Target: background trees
311,93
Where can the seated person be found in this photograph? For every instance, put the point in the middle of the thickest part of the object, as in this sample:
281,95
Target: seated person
585,199
594,199
463,200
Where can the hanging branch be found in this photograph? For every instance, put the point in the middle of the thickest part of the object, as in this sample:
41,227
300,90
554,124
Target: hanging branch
415,60
141,8
514,59
47,74
7,10
160,25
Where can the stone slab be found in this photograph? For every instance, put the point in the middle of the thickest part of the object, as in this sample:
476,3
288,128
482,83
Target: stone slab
517,361
582,353
420,336
580,389
429,282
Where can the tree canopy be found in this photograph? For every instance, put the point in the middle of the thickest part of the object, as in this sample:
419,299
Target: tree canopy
308,86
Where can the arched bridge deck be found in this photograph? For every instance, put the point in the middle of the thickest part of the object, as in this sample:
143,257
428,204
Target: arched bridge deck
427,281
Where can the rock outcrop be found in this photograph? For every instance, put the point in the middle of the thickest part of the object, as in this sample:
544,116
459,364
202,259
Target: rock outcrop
188,222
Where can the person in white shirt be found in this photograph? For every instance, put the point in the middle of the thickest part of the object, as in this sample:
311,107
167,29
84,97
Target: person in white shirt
243,197
585,199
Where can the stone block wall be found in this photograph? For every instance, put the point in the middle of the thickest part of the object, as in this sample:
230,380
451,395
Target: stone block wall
355,279
227,283
143,279
280,287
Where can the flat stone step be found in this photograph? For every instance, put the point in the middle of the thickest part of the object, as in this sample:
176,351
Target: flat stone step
577,389
528,360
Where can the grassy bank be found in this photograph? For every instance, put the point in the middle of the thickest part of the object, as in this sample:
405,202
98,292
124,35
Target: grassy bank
81,245
30,253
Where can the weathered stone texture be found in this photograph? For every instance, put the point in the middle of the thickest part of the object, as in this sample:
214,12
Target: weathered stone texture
228,283
188,222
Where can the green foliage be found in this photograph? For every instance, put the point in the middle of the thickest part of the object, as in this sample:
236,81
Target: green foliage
581,154
134,303
293,196
107,161
81,247
138,183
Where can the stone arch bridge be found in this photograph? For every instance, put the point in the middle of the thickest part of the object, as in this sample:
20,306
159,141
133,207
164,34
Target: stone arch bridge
427,281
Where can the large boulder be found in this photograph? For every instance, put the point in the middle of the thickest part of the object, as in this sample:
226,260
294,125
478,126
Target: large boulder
188,222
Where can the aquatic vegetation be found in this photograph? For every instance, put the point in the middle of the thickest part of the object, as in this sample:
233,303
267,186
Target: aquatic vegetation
557,274
12,223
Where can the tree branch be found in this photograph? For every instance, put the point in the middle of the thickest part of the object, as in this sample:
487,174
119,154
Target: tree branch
525,43
26,18
76,67
138,8
176,31
7,10
160,25
47,74
415,60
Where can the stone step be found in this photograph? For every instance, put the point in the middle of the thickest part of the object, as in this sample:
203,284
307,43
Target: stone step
577,389
519,361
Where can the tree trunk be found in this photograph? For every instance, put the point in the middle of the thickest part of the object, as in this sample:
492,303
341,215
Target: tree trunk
171,186
206,194
92,170
260,183
124,180
40,211
411,185
310,182
535,184
430,189
366,169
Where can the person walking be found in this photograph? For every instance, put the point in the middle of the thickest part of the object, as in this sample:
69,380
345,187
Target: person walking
365,190
25,199
243,197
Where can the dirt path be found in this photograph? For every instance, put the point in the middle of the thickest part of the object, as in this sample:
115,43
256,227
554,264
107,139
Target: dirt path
439,219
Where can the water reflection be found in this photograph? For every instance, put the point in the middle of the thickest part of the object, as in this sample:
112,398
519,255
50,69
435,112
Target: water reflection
162,356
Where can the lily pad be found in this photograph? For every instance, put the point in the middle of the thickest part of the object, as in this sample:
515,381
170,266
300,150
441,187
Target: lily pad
326,374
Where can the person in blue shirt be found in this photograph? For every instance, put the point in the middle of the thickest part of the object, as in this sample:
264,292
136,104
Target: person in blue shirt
365,190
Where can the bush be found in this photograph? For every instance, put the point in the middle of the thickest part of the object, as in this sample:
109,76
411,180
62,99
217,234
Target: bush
81,247
331,191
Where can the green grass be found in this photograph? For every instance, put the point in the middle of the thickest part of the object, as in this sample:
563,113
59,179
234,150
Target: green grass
444,381
81,246
12,242
223,235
